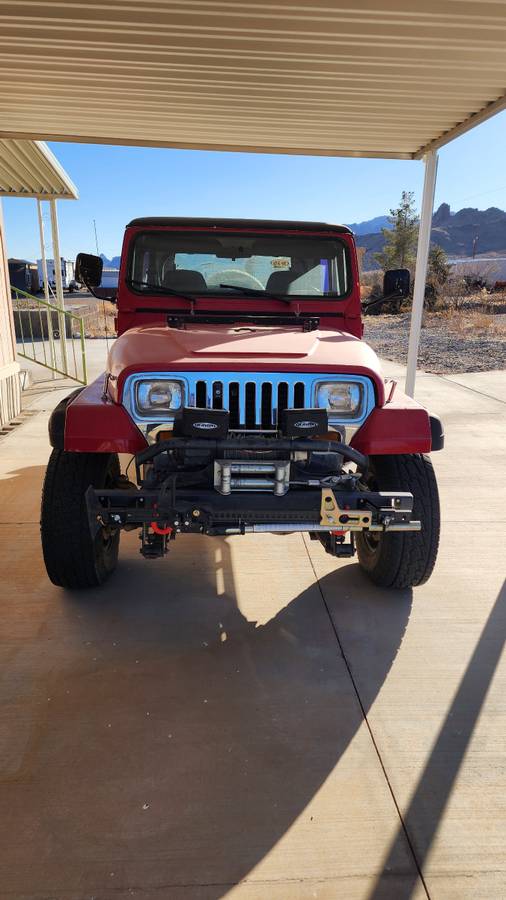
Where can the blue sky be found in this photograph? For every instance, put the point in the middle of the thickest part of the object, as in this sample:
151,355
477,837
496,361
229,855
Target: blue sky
117,184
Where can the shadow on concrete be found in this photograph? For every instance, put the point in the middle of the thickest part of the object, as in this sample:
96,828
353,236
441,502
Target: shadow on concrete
171,741
434,789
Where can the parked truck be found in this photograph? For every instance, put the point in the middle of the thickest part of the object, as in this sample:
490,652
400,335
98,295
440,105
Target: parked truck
248,402
24,275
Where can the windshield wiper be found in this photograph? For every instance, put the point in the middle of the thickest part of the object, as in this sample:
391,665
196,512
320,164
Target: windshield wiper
163,291
166,291
255,292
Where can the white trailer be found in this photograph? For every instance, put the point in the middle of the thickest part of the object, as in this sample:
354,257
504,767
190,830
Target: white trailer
489,269
67,274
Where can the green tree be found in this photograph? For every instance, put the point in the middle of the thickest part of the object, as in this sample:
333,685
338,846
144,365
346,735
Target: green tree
399,251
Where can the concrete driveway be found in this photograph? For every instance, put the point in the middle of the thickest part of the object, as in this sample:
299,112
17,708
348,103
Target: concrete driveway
249,718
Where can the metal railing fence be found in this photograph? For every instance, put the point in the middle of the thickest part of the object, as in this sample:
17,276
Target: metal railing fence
49,336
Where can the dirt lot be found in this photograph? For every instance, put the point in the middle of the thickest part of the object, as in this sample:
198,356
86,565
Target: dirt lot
463,341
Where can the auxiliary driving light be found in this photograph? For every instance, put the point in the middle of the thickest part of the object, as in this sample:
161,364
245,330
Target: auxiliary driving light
301,423
195,422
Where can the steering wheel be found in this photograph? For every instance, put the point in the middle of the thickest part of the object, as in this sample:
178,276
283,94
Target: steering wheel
235,276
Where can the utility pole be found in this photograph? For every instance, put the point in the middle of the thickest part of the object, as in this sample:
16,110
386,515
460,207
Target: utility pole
96,238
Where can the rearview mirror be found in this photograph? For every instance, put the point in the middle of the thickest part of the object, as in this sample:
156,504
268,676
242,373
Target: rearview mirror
89,269
233,253
396,283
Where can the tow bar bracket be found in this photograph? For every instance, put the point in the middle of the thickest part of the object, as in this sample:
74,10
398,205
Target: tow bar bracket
331,513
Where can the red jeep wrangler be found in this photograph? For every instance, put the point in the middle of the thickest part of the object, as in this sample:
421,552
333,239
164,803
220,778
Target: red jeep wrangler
241,387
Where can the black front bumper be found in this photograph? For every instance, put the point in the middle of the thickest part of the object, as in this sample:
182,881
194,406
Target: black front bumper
184,499
208,512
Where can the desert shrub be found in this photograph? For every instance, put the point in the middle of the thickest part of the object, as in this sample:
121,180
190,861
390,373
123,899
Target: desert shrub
454,294
438,274
99,319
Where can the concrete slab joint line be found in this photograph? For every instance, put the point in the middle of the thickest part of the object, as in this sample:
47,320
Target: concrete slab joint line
474,390
402,826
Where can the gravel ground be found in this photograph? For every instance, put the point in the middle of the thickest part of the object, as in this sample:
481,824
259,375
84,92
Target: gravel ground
443,350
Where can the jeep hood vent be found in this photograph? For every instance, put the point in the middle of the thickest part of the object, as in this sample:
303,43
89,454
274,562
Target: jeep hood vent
243,342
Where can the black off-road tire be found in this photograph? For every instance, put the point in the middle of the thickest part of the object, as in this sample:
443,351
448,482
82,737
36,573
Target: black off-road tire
402,560
73,558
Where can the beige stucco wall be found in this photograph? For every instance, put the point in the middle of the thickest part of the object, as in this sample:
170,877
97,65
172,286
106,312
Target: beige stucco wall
10,389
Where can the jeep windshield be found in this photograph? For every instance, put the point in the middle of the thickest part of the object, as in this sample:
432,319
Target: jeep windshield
273,265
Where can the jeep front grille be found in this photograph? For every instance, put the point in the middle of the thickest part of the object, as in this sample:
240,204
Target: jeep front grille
252,404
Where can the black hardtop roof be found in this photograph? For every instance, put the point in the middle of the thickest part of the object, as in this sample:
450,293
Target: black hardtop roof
242,224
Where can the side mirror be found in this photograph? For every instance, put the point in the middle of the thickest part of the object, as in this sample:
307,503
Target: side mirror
89,269
396,283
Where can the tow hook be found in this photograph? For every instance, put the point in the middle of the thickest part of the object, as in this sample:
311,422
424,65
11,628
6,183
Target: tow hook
154,540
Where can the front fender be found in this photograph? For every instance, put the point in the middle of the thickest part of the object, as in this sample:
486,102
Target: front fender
400,426
56,424
88,421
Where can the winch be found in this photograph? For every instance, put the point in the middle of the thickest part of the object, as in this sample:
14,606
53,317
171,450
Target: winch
249,475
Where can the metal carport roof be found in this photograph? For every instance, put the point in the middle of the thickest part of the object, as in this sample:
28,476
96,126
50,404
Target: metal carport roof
390,78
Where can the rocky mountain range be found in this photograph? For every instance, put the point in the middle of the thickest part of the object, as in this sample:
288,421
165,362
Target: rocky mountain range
110,263
468,232
370,226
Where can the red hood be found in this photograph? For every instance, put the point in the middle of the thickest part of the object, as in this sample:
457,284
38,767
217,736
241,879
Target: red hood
245,348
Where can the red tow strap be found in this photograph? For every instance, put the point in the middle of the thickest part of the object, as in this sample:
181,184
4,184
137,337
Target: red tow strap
156,528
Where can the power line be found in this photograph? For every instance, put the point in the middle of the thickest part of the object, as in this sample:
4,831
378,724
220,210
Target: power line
491,191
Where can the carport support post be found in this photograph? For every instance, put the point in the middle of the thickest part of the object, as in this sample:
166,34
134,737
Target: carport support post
422,257
46,288
59,283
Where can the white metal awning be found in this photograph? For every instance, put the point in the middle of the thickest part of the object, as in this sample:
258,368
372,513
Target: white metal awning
390,79
29,169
